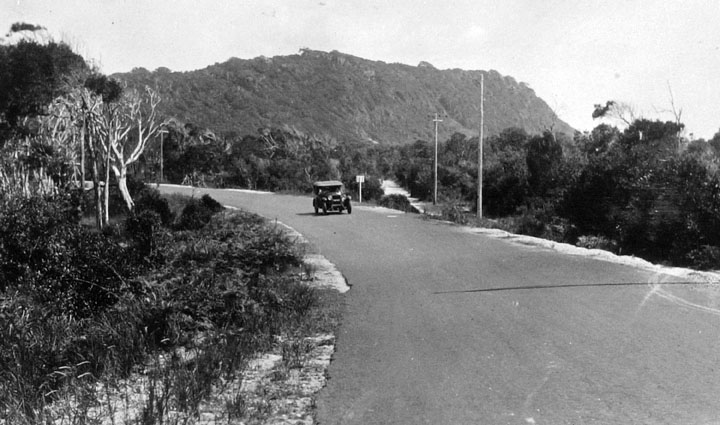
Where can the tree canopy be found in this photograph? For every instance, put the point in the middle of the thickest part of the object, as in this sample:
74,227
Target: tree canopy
32,75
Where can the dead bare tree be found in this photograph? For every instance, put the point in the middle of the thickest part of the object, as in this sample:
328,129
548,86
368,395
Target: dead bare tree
677,115
139,115
620,111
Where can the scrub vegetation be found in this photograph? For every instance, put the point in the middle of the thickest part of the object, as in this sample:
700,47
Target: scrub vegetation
185,304
645,190
118,305
104,281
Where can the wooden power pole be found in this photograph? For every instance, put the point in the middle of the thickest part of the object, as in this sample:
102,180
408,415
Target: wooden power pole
480,146
436,121
162,177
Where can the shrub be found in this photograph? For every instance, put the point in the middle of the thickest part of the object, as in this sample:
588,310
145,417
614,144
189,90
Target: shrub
529,223
455,211
397,202
223,295
197,213
150,200
704,258
31,231
176,203
44,251
597,242
371,189
241,241
208,202
144,230
96,271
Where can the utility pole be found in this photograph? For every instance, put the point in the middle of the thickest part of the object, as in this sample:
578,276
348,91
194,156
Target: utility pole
162,131
82,154
436,121
480,146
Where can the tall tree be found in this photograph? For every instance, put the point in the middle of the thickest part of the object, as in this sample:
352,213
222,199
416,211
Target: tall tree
35,74
544,156
32,75
128,129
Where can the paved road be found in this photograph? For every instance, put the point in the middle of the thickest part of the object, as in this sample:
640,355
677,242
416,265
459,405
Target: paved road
446,327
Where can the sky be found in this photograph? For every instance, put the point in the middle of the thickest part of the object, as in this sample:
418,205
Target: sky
656,56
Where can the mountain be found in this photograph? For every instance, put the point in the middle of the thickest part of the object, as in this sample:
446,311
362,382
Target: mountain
345,97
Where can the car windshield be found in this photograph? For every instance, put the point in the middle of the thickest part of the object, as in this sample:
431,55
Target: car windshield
327,189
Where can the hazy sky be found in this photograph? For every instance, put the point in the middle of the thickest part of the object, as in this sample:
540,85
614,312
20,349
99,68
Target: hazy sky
573,53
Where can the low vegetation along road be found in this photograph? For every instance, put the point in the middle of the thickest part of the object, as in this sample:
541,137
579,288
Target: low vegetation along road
443,326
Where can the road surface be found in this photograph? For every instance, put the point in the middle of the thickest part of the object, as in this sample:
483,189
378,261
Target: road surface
447,327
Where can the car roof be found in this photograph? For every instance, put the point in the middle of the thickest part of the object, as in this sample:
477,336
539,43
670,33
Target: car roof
328,183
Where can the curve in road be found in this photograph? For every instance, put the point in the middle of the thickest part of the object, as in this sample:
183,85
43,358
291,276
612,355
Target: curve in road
443,326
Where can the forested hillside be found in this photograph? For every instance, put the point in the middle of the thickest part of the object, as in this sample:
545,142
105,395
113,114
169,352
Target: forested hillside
345,97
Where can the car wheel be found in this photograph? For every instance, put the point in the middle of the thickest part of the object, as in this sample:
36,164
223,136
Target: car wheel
324,209
349,208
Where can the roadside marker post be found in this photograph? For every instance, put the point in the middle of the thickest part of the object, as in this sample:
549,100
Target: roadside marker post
360,180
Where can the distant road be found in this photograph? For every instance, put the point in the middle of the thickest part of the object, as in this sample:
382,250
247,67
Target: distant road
446,327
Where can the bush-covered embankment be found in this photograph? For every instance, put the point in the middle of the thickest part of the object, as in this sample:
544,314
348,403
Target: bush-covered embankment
82,310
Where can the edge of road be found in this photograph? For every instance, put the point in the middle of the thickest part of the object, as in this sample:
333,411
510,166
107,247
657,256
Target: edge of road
329,276
312,376
298,390
599,254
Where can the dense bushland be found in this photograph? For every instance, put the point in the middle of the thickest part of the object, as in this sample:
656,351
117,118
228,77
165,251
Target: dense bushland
81,309
274,159
176,289
644,191
46,253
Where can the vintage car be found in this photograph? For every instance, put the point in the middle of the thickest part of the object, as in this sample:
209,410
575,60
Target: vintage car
330,196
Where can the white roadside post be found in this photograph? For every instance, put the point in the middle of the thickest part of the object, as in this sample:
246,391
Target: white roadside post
360,180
